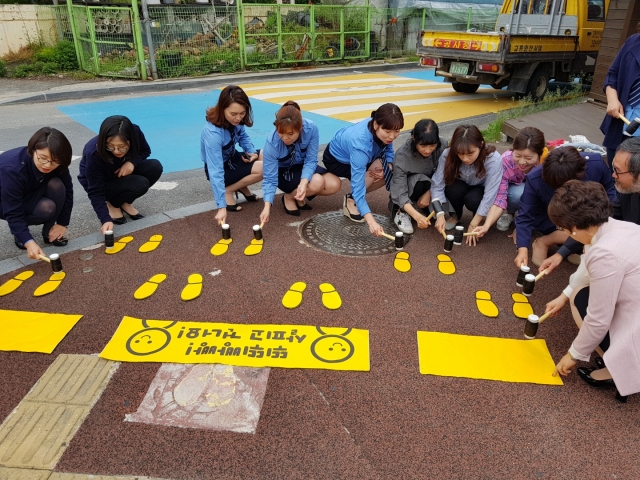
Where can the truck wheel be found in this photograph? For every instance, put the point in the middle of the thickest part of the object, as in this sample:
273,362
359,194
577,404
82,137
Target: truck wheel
465,87
538,84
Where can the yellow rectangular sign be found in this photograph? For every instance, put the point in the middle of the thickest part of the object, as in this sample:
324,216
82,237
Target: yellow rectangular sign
285,346
33,331
488,358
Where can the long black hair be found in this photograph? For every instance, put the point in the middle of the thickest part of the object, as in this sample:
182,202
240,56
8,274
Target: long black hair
118,126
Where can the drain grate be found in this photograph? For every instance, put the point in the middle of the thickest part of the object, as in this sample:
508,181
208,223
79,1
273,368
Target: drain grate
332,232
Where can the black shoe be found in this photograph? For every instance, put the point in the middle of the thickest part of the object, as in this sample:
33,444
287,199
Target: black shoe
351,216
304,206
248,198
234,208
60,242
585,374
311,197
119,221
137,216
599,361
295,213
20,245
621,398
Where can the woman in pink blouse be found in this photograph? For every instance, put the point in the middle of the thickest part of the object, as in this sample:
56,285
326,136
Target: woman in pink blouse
603,291
528,151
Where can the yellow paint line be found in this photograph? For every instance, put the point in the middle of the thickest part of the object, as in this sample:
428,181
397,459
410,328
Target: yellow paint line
23,474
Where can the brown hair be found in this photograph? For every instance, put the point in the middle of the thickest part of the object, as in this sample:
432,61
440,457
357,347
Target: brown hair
530,138
387,116
465,138
563,164
580,205
230,94
288,117
55,141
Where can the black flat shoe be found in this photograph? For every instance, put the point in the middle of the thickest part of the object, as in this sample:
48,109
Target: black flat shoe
621,398
137,216
119,221
60,242
599,361
248,198
234,208
304,206
311,197
20,245
295,213
585,374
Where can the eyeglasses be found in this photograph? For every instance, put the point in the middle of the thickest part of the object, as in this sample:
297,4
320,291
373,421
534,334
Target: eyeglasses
46,162
617,173
109,148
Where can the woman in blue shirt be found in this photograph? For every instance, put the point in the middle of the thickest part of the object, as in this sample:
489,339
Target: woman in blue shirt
36,189
290,162
363,153
115,171
228,170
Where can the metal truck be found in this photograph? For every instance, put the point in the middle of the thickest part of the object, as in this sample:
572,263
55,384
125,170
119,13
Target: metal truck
534,42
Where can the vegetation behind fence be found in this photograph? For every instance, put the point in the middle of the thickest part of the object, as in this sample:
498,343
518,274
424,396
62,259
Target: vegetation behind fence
199,39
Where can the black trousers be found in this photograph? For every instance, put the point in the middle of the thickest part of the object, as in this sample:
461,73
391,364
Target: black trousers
460,194
581,301
420,189
127,189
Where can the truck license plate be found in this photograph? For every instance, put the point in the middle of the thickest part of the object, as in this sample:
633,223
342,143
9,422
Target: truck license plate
459,68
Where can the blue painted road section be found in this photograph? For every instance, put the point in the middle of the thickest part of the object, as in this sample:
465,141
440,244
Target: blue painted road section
172,124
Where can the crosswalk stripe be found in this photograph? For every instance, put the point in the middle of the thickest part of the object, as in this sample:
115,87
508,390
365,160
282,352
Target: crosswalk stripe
371,88
353,99
347,80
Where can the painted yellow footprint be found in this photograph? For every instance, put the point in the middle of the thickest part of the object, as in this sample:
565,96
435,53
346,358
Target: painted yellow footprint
50,285
151,245
330,298
221,247
485,304
118,246
401,262
255,247
12,284
193,288
445,265
521,306
149,287
293,297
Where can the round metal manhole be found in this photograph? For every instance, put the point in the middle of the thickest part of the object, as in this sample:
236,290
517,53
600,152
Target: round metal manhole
334,233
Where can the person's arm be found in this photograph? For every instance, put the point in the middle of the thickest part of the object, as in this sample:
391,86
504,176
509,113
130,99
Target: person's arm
437,181
270,168
359,160
311,158
212,142
606,274
524,222
244,140
65,214
495,212
492,181
13,192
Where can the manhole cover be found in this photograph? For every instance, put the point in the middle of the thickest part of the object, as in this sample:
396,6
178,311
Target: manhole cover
332,232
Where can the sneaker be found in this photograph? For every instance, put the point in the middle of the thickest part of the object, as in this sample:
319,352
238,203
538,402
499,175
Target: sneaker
504,221
451,223
403,221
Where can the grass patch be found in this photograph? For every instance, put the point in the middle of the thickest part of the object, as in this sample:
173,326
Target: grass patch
526,106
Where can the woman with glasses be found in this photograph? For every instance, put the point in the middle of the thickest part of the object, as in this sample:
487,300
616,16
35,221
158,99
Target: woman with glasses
36,189
290,162
229,170
115,170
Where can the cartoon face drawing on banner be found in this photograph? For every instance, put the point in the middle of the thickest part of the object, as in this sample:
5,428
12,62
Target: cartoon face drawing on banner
149,340
332,348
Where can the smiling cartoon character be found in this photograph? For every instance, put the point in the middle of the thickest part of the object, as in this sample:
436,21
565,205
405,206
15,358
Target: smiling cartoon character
148,341
332,348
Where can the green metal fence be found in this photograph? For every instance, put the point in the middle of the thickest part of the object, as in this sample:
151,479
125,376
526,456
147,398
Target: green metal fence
53,23
108,40
199,39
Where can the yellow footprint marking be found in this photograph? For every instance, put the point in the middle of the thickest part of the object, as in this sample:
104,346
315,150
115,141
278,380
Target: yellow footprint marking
255,247
149,287
118,246
221,247
401,262
193,288
151,245
50,285
485,305
293,297
521,306
445,265
330,298
12,284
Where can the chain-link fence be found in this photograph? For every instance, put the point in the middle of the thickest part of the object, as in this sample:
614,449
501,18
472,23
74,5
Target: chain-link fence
199,39
53,23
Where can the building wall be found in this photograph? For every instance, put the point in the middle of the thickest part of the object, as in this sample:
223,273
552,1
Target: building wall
19,27
621,22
